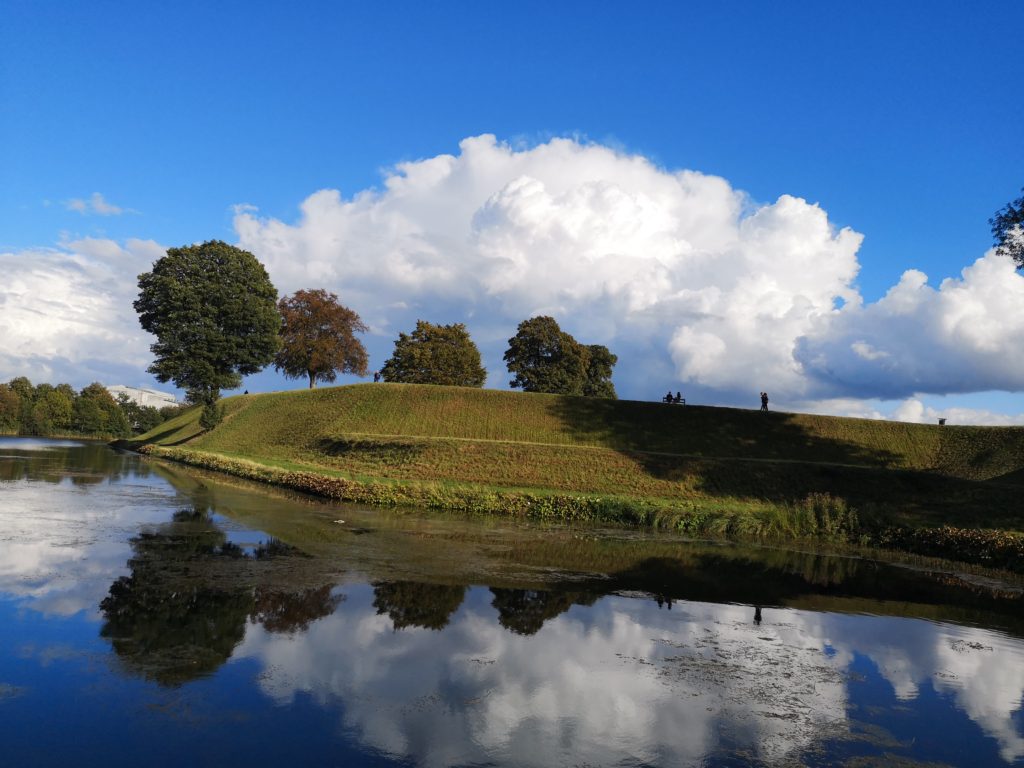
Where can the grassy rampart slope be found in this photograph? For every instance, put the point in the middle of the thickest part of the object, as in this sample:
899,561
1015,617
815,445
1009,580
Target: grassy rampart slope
306,418
688,457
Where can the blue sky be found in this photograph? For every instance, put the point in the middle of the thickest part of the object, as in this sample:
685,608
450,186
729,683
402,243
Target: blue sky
899,120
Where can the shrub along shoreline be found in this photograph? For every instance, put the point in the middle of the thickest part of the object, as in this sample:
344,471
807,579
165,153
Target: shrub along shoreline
820,517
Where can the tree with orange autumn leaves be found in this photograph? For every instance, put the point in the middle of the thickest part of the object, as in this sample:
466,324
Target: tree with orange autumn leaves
318,338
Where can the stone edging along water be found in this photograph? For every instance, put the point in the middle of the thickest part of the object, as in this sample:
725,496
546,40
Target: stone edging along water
990,548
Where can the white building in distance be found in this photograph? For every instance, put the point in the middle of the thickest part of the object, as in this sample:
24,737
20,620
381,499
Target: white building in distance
144,397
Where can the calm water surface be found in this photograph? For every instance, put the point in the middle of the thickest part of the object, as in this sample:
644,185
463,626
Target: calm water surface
151,615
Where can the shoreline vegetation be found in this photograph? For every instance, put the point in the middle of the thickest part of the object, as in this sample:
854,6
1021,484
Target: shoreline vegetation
950,492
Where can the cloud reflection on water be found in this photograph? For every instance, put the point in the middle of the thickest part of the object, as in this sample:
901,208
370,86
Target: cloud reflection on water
610,683
623,680
61,545
982,671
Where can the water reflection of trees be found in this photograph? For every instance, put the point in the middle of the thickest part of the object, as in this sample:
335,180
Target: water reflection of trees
183,609
524,611
52,462
431,606
417,604
671,570
289,612
162,622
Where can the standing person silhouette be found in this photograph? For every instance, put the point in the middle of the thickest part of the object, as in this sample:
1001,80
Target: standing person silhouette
764,402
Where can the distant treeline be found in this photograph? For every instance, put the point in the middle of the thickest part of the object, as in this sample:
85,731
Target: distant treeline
45,409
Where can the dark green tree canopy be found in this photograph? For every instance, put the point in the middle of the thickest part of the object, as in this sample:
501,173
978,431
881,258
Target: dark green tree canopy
436,354
213,311
1008,231
45,409
544,358
600,362
318,338
96,411
22,387
52,410
141,418
10,409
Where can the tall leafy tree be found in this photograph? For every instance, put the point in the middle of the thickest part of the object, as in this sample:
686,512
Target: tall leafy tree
51,411
214,313
544,358
26,393
436,354
318,338
88,416
10,409
23,387
600,362
1008,230
141,418
45,409
67,390
96,412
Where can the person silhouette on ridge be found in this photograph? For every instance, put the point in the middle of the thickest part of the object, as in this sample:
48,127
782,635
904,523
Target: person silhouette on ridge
764,402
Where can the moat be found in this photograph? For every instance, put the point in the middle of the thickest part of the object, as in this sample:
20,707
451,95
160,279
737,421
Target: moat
155,615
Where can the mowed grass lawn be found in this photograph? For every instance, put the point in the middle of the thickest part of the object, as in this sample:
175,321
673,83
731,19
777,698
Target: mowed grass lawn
924,474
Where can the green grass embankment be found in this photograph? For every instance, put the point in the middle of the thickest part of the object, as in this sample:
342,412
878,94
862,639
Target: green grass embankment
708,471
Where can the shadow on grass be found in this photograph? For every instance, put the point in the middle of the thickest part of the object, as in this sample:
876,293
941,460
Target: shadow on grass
387,453
736,453
1010,478
707,432
157,439
982,453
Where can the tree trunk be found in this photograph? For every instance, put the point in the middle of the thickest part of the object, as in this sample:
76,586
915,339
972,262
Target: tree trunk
312,379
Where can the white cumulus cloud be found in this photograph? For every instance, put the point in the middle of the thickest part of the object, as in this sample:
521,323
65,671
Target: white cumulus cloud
66,313
967,335
686,279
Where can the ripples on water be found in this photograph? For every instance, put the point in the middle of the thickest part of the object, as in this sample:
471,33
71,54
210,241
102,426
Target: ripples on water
152,615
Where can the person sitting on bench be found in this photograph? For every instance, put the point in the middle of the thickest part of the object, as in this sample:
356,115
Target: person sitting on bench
678,399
